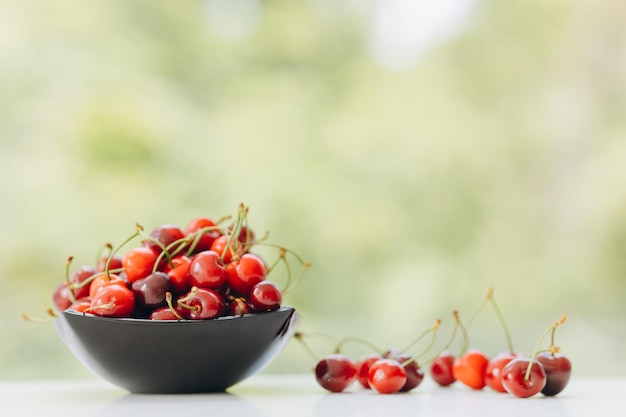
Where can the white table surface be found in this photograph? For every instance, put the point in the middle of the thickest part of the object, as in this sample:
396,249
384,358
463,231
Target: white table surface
300,396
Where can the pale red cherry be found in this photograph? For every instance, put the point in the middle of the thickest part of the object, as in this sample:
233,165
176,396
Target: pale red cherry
363,368
493,374
113,301
386,376
471,368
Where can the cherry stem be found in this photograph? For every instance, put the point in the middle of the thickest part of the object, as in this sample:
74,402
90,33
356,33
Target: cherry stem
106,246
183,301
197,236
108,306
168,300
295,282
51,316
164,249
465,344
553,349
433,330
536,351
345,340
451,339
299,336
479,309
67,278
138,230
505,328
233,237
89,279
169,253
294,254
271,268
282,257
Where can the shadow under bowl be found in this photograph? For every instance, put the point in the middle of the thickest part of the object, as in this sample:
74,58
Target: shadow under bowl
169,357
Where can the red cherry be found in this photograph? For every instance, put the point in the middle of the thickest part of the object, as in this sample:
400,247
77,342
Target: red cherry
493,374
470,369
335,373
139,262
178,271
207,238
245,273
558,370
246,235
207,271
201,304
219,246
238,307
163,236
265,296
514,377
386,376
61,297
104,280
441,369
363,368
115,263
80,305
113,301
163,313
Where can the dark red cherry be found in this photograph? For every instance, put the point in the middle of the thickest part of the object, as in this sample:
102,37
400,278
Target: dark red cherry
207,271
80,280
414,373
150,291
514,377
558,370
163,236
265,296
201,304
238,307
335,373
441,369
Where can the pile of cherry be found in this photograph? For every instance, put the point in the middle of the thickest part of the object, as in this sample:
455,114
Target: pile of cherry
546,371
204,271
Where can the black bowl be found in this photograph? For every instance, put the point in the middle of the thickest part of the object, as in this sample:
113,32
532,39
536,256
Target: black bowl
167,357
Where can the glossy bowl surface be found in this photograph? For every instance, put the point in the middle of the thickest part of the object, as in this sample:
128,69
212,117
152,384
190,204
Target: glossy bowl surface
191,356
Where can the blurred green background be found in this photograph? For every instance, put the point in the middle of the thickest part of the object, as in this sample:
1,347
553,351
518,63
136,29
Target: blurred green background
416,153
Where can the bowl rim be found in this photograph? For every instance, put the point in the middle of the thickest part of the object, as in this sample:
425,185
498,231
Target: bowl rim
90,316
